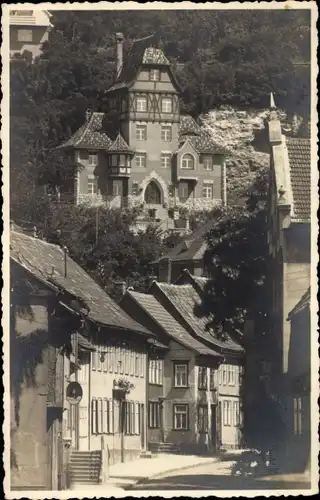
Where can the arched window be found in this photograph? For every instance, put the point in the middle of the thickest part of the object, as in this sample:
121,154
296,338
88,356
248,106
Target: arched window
187,162
152,194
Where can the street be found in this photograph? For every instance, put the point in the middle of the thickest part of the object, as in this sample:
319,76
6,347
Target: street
216,476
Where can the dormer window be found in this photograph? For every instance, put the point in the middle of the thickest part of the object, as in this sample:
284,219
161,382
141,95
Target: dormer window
187,162
166,105
154,75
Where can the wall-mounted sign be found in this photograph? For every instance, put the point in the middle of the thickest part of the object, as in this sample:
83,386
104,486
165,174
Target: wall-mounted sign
74,393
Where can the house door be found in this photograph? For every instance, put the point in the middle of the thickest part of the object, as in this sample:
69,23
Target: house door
83,407
219,425
152,194
214,427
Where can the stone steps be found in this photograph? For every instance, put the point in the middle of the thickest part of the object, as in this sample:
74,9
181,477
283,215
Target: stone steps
84,467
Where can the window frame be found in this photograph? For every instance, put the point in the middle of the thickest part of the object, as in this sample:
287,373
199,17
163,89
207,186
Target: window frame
206,188
153,71
141,127
203,420
175,414
166,130
92,156
185,161
205,163
141,155
165,156
140,99
93,182
166,100
184,364
154,414
202,378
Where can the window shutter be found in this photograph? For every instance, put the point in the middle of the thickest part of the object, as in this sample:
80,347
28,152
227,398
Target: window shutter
94,416
137,431
132,428
142,358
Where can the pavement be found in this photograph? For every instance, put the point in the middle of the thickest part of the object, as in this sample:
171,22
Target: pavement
190,472
124,476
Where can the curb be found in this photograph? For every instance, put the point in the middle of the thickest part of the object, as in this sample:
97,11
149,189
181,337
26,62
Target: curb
159,474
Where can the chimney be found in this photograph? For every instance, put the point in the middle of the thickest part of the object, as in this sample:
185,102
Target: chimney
88,114
165,270
119,39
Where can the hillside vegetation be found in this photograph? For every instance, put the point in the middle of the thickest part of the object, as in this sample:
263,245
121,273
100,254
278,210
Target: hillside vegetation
221,58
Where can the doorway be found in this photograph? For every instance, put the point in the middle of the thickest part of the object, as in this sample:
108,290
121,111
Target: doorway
214,437
152,194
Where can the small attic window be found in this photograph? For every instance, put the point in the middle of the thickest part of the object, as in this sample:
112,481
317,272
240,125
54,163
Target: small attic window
154,75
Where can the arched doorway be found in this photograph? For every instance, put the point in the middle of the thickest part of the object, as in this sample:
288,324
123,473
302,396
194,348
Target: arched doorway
152,195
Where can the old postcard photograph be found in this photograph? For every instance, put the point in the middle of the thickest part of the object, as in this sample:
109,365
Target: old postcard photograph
160,197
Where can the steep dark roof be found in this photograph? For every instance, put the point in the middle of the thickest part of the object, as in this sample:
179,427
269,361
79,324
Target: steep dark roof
185,299
299,152
193,246
119,145
198,136
46,262
143,52
302,304
188,126
164,319
90,135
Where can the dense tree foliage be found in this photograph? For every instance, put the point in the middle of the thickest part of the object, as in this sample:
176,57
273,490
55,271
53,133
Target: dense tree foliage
104,243
236,261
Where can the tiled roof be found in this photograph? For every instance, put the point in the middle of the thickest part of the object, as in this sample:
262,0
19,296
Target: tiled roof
188,126
164,319
152,55
119,145
46,262
199,137
185,299
193,246
90,135
302,304
299,152
143,51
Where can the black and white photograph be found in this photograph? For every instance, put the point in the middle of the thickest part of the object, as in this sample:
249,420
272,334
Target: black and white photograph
160,197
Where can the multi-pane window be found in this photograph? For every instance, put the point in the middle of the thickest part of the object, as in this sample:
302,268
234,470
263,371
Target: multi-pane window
207,162
202,418
141,160
154,415
102,416
93,159
24,35
154,75
130,417
231,374
180,374
166,105
187,162
166,133
180,416
202,377
237,420
184,190
92,185
227,413
156,371
165,160
297,415
141,132
207,191
141,103
142,363
212,379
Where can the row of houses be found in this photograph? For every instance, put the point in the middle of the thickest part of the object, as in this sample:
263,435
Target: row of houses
92,379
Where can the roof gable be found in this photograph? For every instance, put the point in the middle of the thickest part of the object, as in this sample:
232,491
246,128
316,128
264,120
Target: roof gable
171,327
185,299
301,304
91,135
46,263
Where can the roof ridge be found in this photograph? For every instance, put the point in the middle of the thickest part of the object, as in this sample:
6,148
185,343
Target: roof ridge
54,245
86,125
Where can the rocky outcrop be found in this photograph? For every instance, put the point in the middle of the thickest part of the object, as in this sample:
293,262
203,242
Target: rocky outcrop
237,131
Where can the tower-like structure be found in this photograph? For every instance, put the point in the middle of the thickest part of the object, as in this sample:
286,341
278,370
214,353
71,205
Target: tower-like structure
141,151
